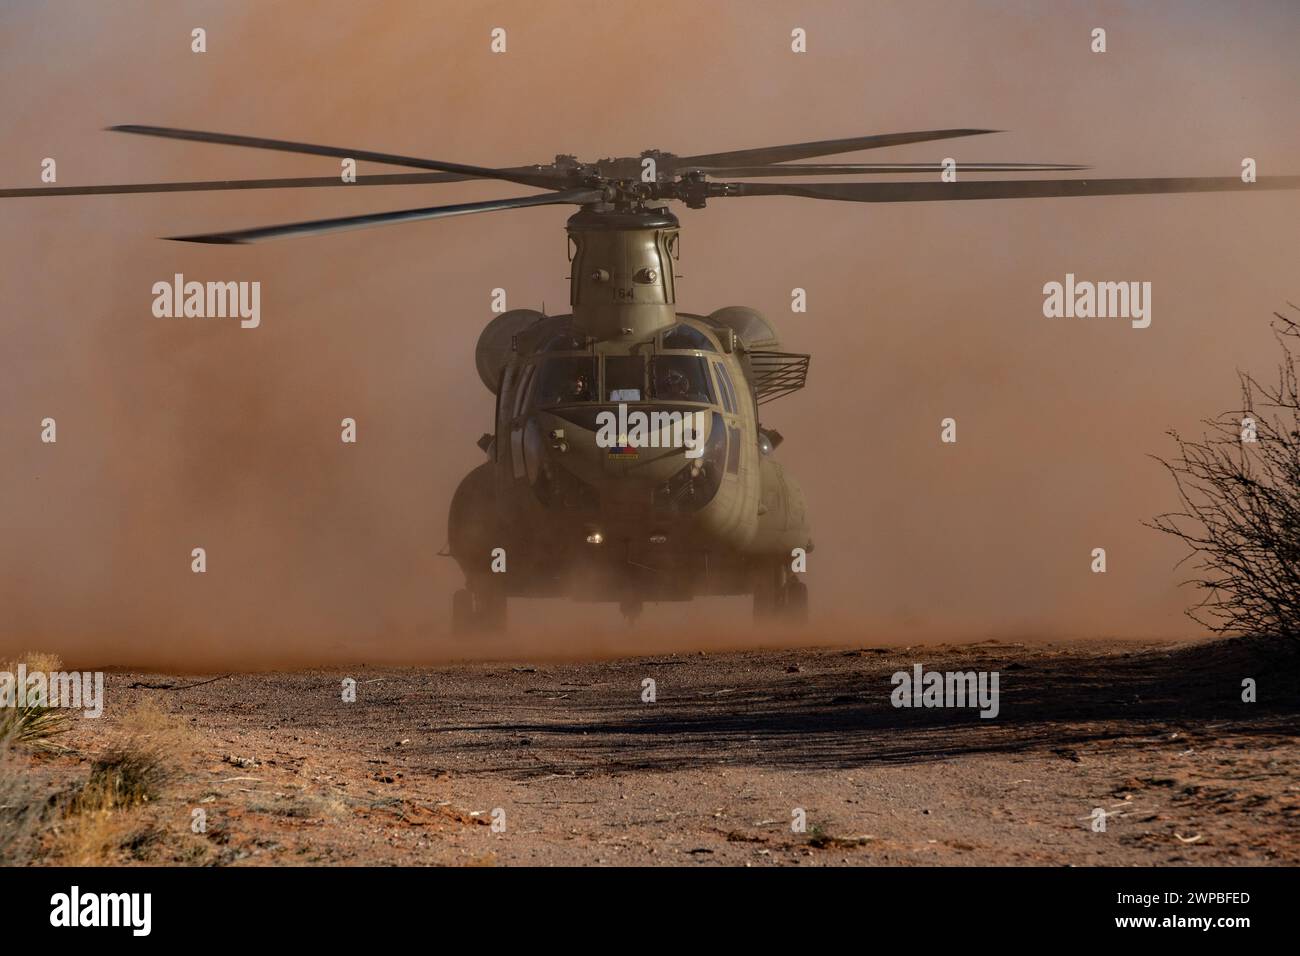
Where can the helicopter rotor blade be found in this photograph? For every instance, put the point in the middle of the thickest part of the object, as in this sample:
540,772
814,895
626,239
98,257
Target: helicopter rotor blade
540,176
387,179
411,179
850,169
1004,189
318,227
780,154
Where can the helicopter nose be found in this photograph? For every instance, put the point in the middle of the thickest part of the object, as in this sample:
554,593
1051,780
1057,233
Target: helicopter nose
596,450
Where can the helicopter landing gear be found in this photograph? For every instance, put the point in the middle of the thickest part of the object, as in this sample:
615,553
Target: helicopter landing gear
478,611
631,610
779,595
796,602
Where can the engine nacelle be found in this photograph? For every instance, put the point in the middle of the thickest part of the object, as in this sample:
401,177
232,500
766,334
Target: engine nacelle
751,327
496,342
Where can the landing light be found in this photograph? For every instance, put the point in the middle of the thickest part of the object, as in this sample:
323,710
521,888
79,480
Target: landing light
658,539
595,538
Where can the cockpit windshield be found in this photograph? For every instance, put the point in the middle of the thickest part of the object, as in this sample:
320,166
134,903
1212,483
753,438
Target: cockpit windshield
687,337
680,378
564,342
563,379
566,379
625,378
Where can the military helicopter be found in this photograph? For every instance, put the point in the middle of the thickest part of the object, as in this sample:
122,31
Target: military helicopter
628,461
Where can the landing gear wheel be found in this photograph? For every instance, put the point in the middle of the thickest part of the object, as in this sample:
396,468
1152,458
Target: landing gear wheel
462,612
769,585
796,602
780,595
631,610
478,611
491,608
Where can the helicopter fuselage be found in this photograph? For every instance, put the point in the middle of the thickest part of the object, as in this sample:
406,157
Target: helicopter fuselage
627,461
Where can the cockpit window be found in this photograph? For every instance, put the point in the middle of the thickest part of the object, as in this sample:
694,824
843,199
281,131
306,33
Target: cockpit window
566,380
727,403
564,342
687,337
624,378
727,385
680,378
525,383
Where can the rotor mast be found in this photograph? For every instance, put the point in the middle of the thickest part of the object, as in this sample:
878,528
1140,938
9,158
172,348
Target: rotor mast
621,271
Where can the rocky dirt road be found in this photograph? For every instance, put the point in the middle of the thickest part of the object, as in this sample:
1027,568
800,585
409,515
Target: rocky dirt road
581,770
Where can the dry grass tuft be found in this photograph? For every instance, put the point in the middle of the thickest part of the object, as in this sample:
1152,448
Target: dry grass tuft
32,724
99,826
23,809
122,778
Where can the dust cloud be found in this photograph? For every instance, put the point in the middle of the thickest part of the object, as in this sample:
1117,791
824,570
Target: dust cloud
176,434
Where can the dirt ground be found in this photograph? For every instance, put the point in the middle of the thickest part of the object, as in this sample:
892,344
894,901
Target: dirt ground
581,770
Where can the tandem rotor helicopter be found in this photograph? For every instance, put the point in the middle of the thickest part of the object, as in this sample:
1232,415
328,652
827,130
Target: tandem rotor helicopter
645,509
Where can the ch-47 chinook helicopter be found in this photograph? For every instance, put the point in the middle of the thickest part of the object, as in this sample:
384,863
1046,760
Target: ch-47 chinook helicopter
688,501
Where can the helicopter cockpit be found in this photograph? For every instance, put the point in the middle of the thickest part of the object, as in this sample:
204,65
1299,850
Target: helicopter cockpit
674,373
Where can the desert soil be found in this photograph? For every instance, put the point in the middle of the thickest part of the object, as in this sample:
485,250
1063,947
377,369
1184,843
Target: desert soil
581,770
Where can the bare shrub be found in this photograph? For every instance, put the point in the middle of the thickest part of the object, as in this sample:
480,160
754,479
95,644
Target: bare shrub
1240,490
